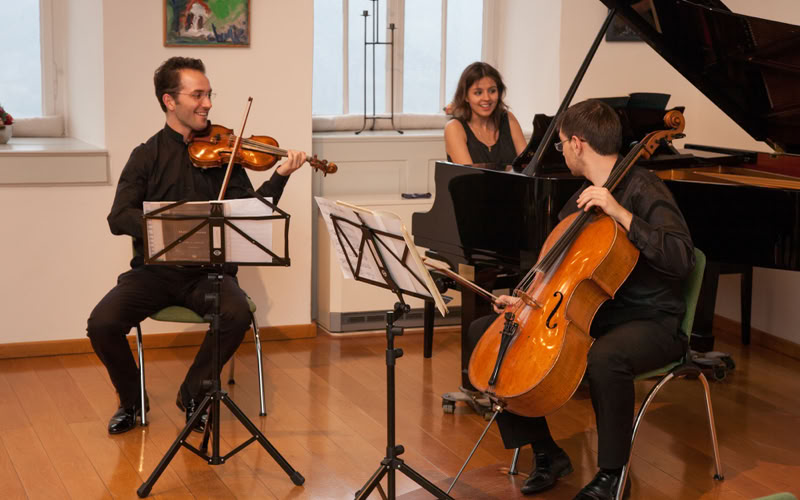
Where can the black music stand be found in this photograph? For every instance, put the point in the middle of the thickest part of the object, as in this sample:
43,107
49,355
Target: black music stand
378,250
196,234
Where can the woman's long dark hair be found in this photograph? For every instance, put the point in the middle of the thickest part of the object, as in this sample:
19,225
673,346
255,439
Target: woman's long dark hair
469,76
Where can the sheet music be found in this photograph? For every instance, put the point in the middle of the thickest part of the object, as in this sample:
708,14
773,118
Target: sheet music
239,249
392,250
196,247
347,249
159,235
415,277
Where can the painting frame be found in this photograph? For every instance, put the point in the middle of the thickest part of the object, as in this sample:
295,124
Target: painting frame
206,23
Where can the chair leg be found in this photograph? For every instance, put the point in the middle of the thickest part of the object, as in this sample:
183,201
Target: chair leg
712,428
142,389
257,338
232,365
512,471
639,417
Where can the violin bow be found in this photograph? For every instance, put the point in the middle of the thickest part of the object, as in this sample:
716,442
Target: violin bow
439,267
236,145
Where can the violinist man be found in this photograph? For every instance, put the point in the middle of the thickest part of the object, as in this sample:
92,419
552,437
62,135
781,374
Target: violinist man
638,330
161,170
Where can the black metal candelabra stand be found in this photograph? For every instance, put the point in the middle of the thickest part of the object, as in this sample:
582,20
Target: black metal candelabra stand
375,43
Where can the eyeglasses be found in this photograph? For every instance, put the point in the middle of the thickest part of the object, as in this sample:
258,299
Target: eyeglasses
560,145
197,96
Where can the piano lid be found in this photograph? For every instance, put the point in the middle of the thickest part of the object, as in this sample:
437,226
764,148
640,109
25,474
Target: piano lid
749,67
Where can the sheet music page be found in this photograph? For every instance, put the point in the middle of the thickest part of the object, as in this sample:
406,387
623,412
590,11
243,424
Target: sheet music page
237,247
159,235
347,248
409,274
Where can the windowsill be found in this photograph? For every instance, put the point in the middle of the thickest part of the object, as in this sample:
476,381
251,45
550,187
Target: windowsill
380,135
27,161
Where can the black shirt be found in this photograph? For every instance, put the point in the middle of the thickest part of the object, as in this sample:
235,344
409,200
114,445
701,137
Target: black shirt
655,286
161,170
502,152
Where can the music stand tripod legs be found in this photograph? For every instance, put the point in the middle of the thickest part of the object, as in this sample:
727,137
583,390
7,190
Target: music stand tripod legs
391,462
212,400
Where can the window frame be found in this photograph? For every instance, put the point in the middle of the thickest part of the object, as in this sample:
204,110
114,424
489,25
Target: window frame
396,14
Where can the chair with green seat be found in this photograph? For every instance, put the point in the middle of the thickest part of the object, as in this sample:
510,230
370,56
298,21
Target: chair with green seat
683,368
179,314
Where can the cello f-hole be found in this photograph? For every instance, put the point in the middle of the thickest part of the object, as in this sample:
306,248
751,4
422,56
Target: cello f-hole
555,309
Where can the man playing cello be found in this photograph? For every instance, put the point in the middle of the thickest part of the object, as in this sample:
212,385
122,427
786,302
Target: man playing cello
635,332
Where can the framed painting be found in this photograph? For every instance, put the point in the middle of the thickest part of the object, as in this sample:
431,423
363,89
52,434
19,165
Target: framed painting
206,23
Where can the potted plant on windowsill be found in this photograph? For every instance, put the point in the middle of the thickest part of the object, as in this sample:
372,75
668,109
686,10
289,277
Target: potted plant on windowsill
6,120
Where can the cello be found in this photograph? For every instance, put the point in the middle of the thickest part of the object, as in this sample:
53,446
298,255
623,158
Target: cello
533,356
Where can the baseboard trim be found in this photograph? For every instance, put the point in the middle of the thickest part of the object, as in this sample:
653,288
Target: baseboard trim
151,341
731,330
379,333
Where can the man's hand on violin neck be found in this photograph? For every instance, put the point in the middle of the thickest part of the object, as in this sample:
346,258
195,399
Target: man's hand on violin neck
294,160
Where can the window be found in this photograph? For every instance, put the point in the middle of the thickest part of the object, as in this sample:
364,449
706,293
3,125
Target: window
21,77
29,80
434,41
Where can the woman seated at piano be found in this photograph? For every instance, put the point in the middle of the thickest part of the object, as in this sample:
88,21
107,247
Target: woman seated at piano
482,130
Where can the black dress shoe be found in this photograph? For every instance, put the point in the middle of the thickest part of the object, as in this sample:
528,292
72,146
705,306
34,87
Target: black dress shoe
124,419
189,406
549,467
603,487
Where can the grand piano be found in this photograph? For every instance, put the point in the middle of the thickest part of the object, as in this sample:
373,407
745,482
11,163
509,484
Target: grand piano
742,207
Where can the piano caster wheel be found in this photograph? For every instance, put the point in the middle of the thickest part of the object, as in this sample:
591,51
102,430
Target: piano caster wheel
729,362
720,372
448,407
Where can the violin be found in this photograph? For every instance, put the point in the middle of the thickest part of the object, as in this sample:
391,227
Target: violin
257,152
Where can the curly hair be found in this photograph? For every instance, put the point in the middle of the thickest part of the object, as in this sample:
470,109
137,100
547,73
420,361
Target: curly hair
469,76
167,78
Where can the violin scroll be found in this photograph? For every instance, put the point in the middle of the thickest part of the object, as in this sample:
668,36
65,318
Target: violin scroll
323,166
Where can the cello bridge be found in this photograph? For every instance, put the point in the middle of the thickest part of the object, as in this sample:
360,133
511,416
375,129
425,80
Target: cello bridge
527,299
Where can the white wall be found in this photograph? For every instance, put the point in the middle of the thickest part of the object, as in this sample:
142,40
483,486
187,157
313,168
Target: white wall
527,55
59,257
83,56
621,68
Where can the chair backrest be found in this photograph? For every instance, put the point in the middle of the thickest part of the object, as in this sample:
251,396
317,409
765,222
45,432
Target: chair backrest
691,291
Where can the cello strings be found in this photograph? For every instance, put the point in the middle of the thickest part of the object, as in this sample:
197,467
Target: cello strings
550,260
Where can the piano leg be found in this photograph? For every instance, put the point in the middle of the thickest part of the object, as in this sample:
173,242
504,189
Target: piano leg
703,334
703,337
427,328
746,299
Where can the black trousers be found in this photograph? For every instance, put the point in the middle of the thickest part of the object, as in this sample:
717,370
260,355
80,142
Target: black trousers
615,358
145,290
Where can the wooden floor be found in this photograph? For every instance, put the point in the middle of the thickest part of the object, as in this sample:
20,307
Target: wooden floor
326,400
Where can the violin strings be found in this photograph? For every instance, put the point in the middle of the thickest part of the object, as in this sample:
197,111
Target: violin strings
260,146
266,148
